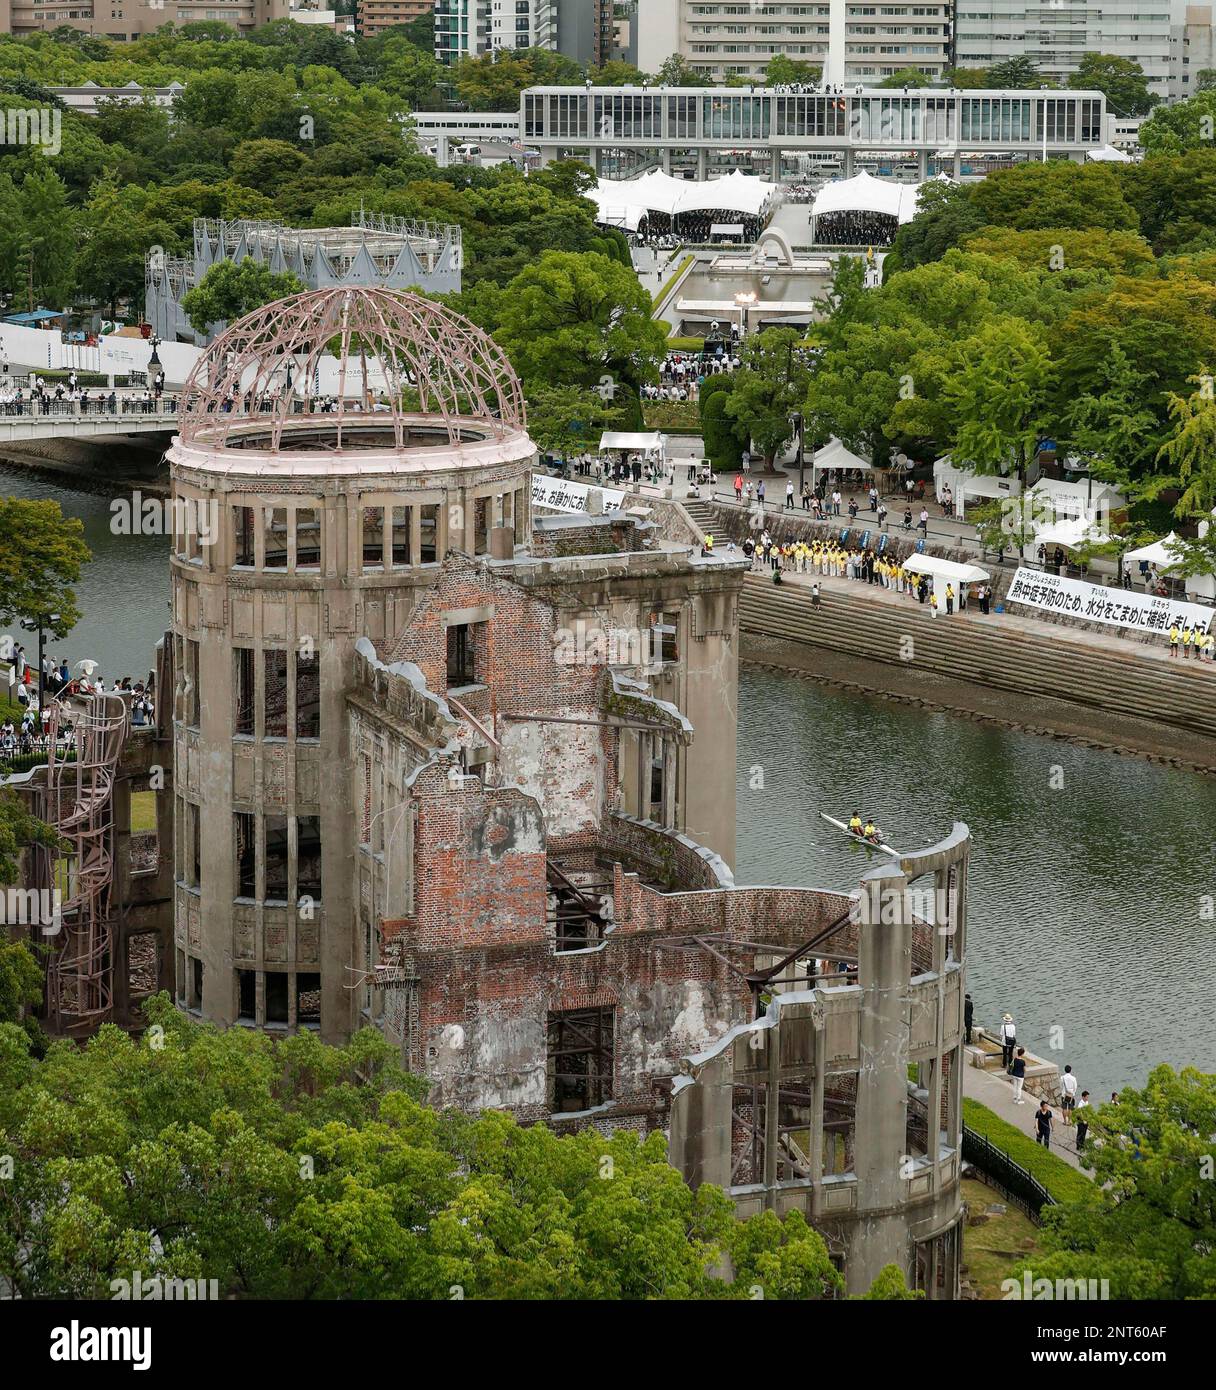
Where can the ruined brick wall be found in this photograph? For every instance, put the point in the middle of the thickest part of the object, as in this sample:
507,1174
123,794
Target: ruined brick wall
484,1019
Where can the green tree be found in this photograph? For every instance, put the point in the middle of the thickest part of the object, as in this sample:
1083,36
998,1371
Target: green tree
47,239
566,420
229,291
1013,73
891,1287
768,388
1150,1228
1112,423
945,216
41,552
266,164
1181,125
615,73
907,77
292,1169
999,398
784,71
1056,194
967,79
1205,79
1190,451
117,232
580,320
1121,79
724,438
677,71
20,975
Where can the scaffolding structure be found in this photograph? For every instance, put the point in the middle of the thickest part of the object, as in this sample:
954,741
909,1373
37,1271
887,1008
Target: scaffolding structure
77,798
375,250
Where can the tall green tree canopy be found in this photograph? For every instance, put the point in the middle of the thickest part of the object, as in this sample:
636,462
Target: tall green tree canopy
292,1169
41,553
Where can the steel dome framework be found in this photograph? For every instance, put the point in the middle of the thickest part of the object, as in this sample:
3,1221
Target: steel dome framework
401,362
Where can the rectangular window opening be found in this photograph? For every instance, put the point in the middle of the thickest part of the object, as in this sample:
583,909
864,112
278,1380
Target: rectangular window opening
460,656
276,859
276,997
580,1059
308,696
243,690
244,828
274,709
275,539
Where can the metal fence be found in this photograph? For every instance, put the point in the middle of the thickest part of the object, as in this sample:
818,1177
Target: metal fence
1021,1187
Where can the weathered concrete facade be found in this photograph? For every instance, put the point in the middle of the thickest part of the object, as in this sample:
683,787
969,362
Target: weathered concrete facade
810,1106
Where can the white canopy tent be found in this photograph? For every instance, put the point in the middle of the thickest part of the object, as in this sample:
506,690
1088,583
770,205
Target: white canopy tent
1084,498
865,193
625,442
966,485
1070,534
1163,553
624,202
835,455
1108,154
943,572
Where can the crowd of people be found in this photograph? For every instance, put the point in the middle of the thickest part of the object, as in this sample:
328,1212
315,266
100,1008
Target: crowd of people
34,693
42,398
1073,1101
855,228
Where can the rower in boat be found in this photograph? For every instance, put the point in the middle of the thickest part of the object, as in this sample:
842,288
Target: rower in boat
871,832
855,826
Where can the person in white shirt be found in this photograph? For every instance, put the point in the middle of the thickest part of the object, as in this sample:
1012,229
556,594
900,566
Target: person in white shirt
1068,1094
1009,1037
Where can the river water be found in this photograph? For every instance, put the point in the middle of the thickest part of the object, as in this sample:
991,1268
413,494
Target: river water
1090,873
124,591
1089,906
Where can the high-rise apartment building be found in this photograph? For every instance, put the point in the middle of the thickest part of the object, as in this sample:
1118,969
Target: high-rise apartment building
124,20
1056,34
727,38
580,29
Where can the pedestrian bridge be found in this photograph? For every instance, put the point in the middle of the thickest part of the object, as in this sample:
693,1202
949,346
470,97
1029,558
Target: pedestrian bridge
66,420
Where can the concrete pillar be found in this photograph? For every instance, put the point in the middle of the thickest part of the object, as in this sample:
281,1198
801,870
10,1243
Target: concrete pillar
958,165
884,964
666,156
848,163
923,164
774,166
702,163
597,160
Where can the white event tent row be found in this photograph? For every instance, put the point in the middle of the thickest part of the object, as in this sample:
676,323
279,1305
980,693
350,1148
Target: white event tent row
624,202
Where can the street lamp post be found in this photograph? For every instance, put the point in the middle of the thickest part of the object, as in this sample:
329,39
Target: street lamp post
797,419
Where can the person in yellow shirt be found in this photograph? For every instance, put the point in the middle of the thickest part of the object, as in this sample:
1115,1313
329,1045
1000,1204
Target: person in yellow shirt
1174,636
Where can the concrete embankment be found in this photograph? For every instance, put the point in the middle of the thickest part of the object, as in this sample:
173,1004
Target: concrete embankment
1043,678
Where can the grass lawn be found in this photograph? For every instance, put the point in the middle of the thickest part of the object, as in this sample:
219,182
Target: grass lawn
1061,1179
992,1252
143,811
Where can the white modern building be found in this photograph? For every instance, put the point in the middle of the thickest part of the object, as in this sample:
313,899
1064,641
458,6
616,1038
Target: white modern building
687,129
738,38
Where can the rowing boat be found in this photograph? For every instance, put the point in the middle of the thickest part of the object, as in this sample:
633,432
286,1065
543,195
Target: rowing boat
861,839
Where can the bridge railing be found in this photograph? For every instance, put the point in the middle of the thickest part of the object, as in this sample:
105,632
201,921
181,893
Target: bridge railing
38,409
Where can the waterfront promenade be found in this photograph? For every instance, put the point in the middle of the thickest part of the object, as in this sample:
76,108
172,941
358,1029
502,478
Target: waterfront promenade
994,1090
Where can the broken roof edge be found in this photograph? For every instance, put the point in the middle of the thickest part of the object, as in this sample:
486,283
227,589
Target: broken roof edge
414,677
626,688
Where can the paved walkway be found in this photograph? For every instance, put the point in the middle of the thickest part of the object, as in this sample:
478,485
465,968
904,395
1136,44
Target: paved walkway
995,1090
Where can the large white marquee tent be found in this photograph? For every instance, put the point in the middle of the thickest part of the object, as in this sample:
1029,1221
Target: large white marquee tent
865,193
624,202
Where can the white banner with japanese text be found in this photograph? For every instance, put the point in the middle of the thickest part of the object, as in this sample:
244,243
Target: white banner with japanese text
1096,603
